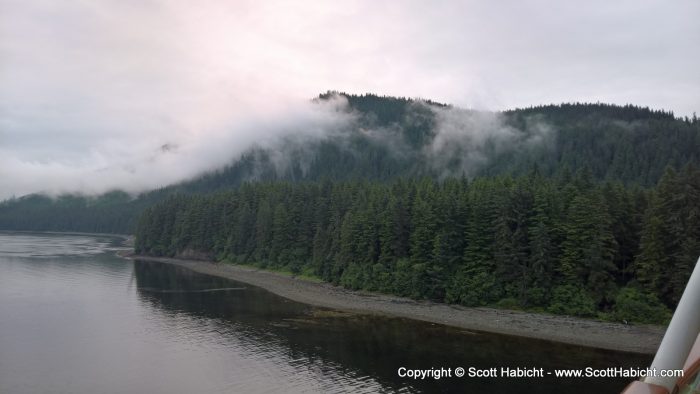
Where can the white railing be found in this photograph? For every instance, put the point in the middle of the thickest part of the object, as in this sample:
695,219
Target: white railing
680,334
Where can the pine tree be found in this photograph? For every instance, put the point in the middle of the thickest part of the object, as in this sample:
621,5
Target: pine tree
588,249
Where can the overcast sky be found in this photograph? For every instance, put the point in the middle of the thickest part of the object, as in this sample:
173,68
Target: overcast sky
90,90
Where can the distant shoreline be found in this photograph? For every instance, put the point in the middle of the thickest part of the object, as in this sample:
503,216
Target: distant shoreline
643,339
115,235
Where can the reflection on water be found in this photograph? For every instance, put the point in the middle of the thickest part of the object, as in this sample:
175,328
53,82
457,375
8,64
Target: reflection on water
370,346
260,328
76,319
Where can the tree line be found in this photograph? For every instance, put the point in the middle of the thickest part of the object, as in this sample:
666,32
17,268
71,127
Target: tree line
617,143
567,244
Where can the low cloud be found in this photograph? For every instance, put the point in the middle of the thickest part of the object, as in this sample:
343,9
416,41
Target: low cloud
460,143
140,164
139,94
464,140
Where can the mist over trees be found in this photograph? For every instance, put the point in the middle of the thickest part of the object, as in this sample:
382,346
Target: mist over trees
392,138
582,209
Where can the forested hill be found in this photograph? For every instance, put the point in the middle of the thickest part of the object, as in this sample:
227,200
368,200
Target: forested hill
411,138
392,138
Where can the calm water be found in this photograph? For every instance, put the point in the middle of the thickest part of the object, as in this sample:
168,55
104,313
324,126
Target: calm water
76,319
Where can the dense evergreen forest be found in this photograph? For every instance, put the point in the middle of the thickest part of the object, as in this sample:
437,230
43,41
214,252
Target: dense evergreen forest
584,209
395,138
565,244
115,212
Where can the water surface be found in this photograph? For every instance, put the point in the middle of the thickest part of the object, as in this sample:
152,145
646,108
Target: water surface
74,318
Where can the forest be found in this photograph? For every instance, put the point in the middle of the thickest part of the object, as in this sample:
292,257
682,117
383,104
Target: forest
627,144
578,209
565,244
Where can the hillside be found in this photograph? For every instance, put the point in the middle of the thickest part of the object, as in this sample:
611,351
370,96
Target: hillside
393,138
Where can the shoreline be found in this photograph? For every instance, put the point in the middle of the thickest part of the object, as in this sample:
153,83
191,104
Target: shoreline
116,235
642,339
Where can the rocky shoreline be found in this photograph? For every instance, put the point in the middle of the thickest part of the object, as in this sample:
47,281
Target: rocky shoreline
643,339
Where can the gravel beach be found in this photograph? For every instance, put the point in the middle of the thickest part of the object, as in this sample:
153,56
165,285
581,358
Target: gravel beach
606,335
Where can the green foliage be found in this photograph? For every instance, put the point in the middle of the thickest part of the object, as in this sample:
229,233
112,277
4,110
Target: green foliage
353,277
572,300
670,237
589,245
636,306
509,303
531,241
